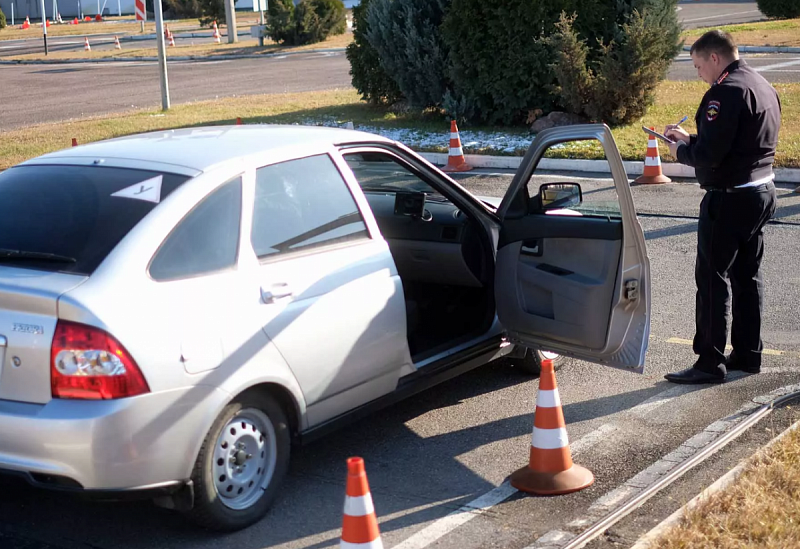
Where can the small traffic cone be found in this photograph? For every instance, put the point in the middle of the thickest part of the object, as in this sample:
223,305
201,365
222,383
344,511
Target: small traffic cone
74,142
117,45
98,17
652,165
550,470
171,39
27,23
238,121
216,35
455,160
359,525
86,46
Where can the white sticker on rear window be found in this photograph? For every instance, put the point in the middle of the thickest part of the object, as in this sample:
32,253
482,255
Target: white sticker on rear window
149,190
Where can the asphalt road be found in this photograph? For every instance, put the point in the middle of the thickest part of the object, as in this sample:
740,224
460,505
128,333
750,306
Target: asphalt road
429,455
703,13
33,94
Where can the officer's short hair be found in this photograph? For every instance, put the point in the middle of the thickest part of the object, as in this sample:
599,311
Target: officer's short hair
715,41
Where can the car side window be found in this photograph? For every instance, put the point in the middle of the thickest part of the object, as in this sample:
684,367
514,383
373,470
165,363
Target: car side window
303,204
206,240
378,172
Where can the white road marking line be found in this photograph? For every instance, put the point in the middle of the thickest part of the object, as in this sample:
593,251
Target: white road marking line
640,410
719,16
778,66
466,513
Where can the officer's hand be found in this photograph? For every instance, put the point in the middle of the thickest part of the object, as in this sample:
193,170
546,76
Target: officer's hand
673,148
676,133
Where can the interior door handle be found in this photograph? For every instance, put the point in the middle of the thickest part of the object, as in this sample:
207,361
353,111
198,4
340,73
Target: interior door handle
275,292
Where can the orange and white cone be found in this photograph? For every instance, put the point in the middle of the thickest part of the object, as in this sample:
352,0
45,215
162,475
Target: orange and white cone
117,45
171,40
86,46
550,470
455,159
652,165
359,525
27,23
216,35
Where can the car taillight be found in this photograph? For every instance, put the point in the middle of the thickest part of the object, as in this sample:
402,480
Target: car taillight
88,363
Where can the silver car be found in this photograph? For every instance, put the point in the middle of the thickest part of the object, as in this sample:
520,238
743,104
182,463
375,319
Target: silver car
179,308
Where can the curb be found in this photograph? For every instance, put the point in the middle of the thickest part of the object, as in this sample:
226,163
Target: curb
169,58
671,169
646,541
761,49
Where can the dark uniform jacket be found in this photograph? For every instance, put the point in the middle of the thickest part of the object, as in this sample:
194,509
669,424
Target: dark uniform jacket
737,130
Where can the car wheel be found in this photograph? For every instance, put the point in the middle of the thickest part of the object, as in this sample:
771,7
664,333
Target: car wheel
531,363
241,464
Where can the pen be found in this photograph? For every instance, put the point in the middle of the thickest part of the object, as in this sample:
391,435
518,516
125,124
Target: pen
682,120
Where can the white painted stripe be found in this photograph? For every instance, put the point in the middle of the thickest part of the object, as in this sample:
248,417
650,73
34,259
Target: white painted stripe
454,135
664,397
720,16
456,152
457,518
474,508
652,161
358,506
374,544
652,143
778,65
548,399
549,439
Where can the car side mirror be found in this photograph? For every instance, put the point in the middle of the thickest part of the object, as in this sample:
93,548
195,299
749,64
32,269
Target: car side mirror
557,196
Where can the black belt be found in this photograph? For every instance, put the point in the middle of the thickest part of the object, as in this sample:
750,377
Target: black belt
754,188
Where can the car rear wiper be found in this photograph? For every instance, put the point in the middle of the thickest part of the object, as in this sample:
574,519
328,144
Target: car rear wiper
11,255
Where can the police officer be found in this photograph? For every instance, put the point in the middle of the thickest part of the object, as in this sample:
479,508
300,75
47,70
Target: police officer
732,153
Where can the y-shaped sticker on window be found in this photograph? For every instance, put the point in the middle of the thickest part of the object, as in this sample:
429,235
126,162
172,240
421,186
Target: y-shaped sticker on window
149,190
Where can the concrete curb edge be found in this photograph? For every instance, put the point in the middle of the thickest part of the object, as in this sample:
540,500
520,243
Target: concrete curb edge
645,541
782,175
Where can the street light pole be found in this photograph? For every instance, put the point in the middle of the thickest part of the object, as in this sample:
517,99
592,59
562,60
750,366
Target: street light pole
162,55
44,27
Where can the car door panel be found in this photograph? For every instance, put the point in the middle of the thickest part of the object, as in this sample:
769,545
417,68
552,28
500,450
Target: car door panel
570,283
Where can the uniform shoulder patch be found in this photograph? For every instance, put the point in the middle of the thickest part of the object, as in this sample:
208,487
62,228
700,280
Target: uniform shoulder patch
712,110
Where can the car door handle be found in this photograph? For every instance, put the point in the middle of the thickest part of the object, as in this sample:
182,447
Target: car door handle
275,292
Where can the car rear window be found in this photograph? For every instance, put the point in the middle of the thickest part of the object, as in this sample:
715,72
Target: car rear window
70,211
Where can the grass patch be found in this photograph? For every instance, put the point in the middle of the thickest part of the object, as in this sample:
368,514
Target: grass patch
675,99
185,47
764,33
760,509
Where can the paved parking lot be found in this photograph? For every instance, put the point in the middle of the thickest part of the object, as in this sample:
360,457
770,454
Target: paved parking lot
445,448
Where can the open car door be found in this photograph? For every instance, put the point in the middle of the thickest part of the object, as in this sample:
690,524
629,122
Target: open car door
573,276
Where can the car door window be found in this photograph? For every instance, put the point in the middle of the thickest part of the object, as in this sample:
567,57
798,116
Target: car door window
377,172
206,240
599,196
303,204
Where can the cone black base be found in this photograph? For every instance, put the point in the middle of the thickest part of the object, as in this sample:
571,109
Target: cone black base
552,484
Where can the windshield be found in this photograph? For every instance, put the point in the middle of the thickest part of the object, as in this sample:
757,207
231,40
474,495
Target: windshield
69,218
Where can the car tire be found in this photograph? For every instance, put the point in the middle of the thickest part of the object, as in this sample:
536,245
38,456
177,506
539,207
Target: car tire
531,363
251,431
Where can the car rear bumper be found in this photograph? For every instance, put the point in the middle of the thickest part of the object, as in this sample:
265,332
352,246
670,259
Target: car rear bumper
145,443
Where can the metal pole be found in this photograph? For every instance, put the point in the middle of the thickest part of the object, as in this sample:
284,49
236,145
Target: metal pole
261,34
162,55
119,8
55,8
142,22
230,19
44,27
12,15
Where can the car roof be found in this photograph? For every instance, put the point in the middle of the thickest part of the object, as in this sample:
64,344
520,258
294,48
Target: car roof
203,147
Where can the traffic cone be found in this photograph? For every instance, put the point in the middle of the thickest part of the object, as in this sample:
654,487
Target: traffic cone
359,525
74,142
550,470
216,35
117,45
238,121
171,39
75,21
455,160
27,23
86,46
652,165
